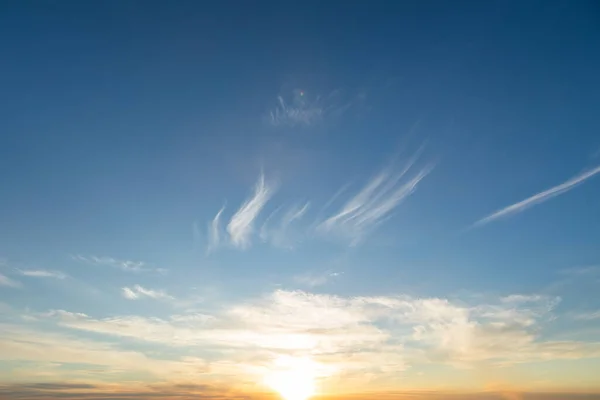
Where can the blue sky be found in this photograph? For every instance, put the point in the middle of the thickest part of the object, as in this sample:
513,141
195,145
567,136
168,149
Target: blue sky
208,184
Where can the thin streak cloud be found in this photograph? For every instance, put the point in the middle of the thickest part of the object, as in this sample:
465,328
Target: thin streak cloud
241,225
588,316
43,274
137,292
374,203
538,198
124,265
214,232
282,234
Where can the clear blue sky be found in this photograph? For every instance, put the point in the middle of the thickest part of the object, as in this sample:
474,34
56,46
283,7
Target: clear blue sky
125,127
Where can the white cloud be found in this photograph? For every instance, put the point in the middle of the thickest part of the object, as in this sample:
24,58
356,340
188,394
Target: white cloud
214,232
241,225
129,293
279,234
6,281
123,265
299,108
138,292
43,274
539,198
179,331
21,344
316,279
300,111
587,316
374,203
385,330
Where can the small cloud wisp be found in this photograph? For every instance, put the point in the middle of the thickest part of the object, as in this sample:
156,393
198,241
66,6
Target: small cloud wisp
40,273
137,292
214,232
300,112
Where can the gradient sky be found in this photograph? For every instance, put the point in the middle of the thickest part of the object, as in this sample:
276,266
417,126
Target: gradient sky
209,199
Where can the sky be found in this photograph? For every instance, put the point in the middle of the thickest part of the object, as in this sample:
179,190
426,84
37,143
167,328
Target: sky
299,199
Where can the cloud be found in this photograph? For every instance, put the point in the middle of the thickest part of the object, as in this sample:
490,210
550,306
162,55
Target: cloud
338,331
123,265
214,232
316,279
181,330
587,316
299,108
582,271
278,234
538,198
352,338
300,111
6,281
374,203
240,227
138,292
132,390
34,345
43,274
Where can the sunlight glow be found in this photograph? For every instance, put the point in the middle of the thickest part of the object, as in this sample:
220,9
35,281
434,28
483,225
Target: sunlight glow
293,378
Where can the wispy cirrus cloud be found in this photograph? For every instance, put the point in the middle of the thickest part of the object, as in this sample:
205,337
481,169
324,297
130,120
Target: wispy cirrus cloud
374,203
278,232
241,224
6,281
138,292
40,273
538,198
214,232
123,265
587,316
300,110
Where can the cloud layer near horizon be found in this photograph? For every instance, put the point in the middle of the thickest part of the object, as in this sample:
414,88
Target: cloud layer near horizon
349,336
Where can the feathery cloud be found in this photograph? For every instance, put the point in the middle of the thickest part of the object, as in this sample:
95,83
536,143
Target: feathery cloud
374,203
300,108
300,111
587,316
214,232
241,225
123,265
278,234
6,281
40,273
538,198
137,292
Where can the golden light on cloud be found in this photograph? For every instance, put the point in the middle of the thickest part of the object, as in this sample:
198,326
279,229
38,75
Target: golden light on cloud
293,378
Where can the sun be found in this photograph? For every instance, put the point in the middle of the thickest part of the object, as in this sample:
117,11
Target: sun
293,378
